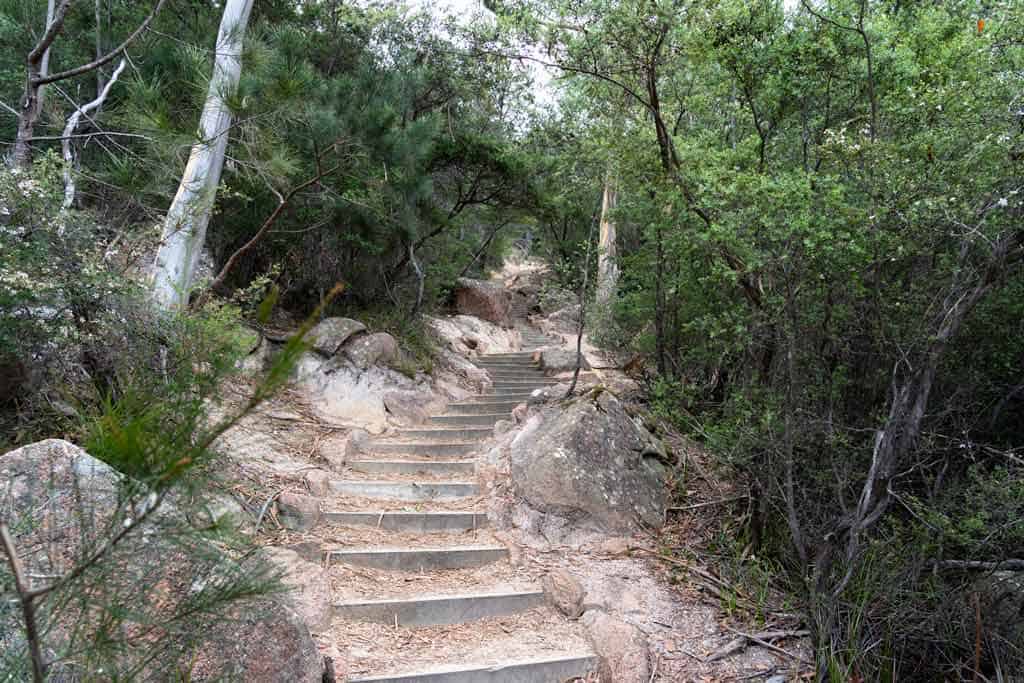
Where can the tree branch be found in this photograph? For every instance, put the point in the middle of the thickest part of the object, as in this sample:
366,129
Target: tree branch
50,35
218,282
109,57
25,598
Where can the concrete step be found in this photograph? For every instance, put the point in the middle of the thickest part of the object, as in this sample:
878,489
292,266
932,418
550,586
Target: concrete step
512,363
420,559
405,490
482,407
475,419
521,393
435,467
446,435
547,670
424,522
433,610
512,355
433,450
515,374
523,383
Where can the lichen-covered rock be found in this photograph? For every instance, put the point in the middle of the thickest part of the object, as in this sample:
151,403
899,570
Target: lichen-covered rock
591,464
328,335
622,648
365,351
486,300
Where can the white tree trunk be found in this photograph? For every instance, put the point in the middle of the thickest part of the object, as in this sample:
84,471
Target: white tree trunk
185,226
607,267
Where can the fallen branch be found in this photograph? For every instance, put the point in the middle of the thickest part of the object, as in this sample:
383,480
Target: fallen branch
1012,565
763,638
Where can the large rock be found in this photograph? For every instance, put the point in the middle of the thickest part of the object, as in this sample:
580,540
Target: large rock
411,407
61,504
342,394
590,464
331,333
554,361
379,348
262,641
622,648
485,300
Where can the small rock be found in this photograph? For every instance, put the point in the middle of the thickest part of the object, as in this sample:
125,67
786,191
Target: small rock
520,412
622,648
502,427
331,333
613,546
318,482
565,592
298,512
373,349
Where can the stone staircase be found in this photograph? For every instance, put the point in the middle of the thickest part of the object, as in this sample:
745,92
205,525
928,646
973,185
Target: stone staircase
425,592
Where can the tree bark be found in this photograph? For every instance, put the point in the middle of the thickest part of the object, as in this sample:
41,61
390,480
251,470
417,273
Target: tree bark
184,229
607,266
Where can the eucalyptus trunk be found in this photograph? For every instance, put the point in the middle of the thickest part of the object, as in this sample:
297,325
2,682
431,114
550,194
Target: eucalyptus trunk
184,229
607,267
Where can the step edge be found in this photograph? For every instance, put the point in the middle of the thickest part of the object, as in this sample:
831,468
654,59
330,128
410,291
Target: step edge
433,597
589,660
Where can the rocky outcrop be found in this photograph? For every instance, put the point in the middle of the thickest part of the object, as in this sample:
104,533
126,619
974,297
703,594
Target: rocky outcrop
61,504
590,464
486,300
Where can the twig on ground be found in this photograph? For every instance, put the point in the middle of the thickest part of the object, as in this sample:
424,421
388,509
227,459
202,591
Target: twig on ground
708,503
760,639
263,510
